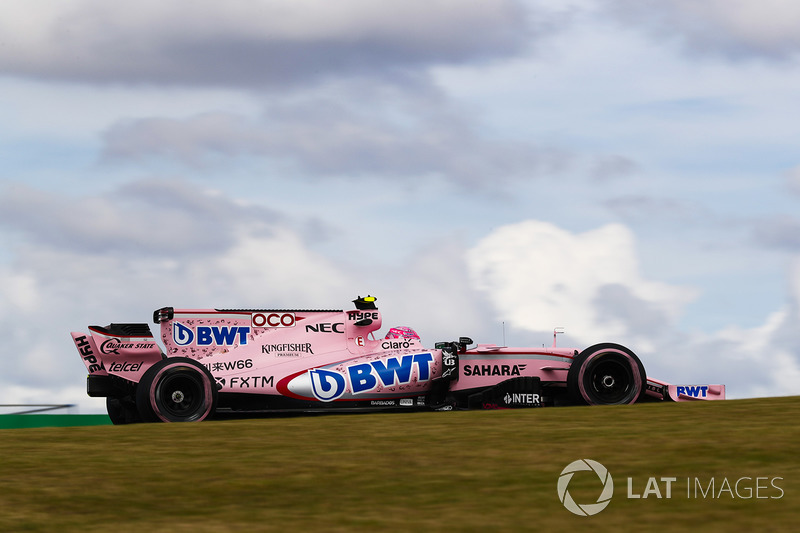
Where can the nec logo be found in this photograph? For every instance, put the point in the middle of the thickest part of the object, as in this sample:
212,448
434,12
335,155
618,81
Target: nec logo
699,391
325,327
208,335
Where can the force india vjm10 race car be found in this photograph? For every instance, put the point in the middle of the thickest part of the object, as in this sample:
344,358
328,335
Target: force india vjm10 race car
219,361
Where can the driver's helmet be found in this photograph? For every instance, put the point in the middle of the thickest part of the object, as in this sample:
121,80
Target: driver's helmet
402,332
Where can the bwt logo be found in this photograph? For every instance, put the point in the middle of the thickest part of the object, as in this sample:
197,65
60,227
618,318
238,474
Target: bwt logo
208,335
700,391
328,385
587,509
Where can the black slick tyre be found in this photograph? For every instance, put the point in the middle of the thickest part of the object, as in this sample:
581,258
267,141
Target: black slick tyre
606,374
176,389
122,410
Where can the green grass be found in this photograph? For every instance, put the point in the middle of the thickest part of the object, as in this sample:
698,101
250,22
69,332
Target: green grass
458,471
16,421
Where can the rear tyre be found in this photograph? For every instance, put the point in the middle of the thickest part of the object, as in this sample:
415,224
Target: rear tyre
176,389
122,411
606,374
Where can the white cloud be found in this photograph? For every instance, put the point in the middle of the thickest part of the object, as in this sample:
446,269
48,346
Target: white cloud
152,217
539,276
362,98
325,137
732,28
756,360
431,293
254,42
274,269
793,179
68,275
794,280
533,274
20,292
63,284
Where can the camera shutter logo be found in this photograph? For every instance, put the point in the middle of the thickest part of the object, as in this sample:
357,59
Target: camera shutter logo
587,509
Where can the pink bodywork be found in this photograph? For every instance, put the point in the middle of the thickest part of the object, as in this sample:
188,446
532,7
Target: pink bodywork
328,356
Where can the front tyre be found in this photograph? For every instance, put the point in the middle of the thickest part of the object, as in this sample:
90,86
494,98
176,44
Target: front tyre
176,389
606,374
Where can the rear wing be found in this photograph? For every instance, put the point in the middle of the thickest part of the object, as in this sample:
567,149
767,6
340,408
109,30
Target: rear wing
123,350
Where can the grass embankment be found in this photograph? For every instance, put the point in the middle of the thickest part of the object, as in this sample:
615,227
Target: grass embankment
459,471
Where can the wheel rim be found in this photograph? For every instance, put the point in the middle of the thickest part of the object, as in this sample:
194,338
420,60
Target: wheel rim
610,379
179,395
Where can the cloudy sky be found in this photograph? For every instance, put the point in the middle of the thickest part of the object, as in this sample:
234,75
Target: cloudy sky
626,169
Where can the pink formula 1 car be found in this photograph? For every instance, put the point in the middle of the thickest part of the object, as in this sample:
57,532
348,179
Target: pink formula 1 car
219,362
